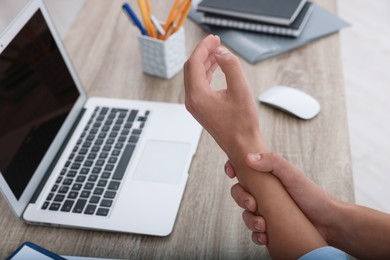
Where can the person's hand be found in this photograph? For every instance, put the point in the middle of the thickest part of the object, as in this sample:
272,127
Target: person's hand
315,203
221,111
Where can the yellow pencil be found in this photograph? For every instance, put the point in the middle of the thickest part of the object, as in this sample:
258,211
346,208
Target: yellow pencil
172,24
145,17
171,15
183,16
148,7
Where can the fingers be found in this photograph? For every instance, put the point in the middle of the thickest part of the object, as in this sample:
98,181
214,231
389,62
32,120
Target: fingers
273,163
199,63
231,67
258,227
259,238
210,71
229,170
205,48
243,198
253,222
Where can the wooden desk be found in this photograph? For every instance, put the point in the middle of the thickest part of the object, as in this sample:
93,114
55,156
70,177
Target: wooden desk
104,49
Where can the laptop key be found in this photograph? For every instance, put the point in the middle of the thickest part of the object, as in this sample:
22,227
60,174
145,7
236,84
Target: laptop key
75,166
76,186
110,194
67,181
94,199
50,196
116,152
136,131
112,159
102,183
133,139
55,206
103,155
106,203
79,158
85,194
89,186
90,209
100,162
109,167
73,195
96,170
123,162
128,126
63,189
86,145
59,198
63,172
79,207
114,185
45,205
98,191
104,110
106,175
67,205
93,178
102,212
59,179
71,174
92,156
80,178
84,171
55,187
132,115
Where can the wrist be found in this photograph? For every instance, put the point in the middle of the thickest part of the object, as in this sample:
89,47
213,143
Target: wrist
243,145
334,228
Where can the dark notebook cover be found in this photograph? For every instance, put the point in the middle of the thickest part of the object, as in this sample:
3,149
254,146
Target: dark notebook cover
281,12
255,47
293,29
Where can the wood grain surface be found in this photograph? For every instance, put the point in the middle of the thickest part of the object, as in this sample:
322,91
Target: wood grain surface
103,46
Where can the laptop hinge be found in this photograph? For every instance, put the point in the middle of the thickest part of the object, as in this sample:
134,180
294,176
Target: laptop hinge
57,157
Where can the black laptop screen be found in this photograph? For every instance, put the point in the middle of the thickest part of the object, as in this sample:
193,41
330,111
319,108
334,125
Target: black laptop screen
36,95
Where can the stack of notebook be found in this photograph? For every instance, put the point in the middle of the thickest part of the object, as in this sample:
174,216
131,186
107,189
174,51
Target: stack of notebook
279,17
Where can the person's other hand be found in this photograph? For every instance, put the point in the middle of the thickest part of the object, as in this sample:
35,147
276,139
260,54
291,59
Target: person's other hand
315,203
221,111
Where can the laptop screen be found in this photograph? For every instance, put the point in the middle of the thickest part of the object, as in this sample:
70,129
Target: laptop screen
36,94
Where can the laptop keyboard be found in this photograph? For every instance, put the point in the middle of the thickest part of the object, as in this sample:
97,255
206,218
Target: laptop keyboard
92,175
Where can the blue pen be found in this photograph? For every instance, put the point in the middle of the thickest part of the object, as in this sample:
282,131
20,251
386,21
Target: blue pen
126,7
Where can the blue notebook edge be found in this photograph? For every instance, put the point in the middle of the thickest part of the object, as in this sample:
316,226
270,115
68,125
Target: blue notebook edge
38,249
256,47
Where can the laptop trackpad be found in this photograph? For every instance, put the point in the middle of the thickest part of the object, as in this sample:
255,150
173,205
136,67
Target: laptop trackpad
162,162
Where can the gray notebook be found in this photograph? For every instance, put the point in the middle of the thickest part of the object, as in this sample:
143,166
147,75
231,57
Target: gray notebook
255,47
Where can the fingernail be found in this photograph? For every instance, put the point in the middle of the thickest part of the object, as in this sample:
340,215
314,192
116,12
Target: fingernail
257,226
254,157
246,203
228,171
261,240
221,51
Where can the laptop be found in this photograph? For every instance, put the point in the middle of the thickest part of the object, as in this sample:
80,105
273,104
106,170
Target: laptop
92,163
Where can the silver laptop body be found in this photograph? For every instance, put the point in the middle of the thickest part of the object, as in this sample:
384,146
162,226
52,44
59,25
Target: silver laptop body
133,156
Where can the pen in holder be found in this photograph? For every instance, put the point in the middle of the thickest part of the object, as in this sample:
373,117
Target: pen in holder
163,58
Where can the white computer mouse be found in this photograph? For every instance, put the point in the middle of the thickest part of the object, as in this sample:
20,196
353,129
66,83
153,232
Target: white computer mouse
291,100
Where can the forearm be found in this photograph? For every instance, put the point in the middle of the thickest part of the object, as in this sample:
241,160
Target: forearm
361,232
290,233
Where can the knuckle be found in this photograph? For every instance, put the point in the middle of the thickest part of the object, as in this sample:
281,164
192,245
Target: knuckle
236,194
275,157
225,167
255,238
189,104
233,191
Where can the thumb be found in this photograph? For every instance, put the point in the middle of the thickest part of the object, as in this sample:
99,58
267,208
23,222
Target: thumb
231,67
275,164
